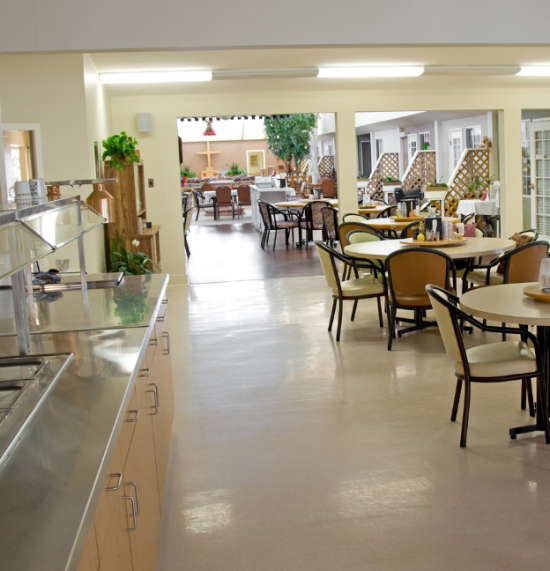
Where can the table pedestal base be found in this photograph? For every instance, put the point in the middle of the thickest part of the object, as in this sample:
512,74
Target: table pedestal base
418,321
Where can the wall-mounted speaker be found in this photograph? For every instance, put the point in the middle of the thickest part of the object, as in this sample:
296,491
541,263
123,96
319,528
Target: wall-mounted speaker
144,122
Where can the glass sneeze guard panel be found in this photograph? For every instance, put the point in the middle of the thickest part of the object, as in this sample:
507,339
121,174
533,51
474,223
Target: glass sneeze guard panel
63,225
19,247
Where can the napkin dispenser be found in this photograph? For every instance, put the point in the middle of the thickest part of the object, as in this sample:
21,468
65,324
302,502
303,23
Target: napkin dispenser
434,223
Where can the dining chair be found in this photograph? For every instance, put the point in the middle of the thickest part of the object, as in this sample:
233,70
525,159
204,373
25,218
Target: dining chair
352,217
187,218
206,186
365,287
409,230
344,230
488,363
269,213
199,203
328,187
243,197
224,199
312,218
468,218
330,224
409,271
387,212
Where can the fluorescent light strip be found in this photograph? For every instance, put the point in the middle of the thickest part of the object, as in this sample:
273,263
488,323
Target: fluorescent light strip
535,70
371,71
166,76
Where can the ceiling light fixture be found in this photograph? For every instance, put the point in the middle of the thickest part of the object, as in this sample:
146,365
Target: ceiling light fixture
370,71
167,76
535,70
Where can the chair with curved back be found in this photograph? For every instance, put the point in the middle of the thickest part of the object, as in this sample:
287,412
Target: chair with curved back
489,363
206,186
409,271
344,230
354,289
269,213
352,217
387,212
187,218
409,230
199,203
330,224
243,197
328,188
224,199
312,219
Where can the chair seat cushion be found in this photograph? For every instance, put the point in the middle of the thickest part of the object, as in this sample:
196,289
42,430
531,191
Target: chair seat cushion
499,360
356,287
287,224
479,278
304,224
421,300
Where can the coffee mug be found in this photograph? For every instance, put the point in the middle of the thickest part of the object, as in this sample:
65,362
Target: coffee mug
38,187
21,190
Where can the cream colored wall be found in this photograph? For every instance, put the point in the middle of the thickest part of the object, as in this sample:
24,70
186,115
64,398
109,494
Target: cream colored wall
49,90
160,153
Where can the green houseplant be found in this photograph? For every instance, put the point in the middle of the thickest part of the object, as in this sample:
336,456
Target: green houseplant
288,137
436,184
478,183
125,261
186,172
121,149
234,170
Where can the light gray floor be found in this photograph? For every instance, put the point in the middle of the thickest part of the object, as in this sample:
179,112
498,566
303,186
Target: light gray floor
291,452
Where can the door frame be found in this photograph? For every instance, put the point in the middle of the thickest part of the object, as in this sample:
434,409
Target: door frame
363,156
451,154
411,137
36,142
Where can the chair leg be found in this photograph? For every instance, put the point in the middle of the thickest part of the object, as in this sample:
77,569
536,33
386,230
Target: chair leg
380,318
456,402
504,334
334,302
529,393
340,311
267,238
541,398
198,212
392,311
466,414
275,240
186,246
354,309
287,236
264,235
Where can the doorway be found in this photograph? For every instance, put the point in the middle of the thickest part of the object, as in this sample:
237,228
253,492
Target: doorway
366,158
412,144
455,141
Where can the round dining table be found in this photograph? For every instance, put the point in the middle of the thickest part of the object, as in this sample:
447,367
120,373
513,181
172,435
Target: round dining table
303,202
508,304
471,248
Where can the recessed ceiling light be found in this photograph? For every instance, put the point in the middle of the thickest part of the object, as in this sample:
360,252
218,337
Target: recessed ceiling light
371,71
173,76
535,70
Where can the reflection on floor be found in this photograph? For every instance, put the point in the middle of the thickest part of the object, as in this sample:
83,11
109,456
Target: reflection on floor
231,252
291,452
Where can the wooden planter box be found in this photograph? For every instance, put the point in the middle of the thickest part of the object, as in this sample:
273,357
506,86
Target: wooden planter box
436,188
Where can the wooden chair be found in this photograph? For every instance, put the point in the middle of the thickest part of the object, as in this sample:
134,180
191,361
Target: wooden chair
365,287
328,188
489,363
243,197
224,199
409,271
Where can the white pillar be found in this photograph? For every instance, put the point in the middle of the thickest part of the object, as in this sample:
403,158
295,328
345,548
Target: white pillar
439,174
313,169
3,178
347,163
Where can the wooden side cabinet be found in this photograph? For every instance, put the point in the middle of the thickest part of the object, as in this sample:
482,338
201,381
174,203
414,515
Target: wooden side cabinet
126,524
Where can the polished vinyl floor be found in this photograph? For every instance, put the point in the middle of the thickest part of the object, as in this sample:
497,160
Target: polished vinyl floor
292,452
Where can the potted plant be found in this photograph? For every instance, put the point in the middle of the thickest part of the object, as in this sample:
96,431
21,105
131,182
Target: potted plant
426,146
391,181
127,262
121,149
234,170
186,173
436,185
479,183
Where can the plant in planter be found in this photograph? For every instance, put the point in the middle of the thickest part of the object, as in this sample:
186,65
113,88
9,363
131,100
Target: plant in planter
391,179
130,264
436,184
121,149
478,183
186,172
426,146
234,170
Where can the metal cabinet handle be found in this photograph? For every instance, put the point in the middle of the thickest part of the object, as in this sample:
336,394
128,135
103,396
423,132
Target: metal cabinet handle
160,319
154,342
167,335
135,417
165,301
157,393
146,372
114,488
133,513
156,402
138,509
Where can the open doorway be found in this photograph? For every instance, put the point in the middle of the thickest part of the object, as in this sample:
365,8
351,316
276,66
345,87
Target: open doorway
229,165
22,156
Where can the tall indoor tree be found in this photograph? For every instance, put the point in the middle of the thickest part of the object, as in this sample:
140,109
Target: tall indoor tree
288,138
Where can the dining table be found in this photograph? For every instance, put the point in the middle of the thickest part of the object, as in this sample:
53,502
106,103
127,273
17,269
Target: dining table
399,223
371,209
508,304
302,202
469,248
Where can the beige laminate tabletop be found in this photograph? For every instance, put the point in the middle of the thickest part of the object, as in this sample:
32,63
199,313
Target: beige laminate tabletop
371,209
506,303
396,224
472,248
301,203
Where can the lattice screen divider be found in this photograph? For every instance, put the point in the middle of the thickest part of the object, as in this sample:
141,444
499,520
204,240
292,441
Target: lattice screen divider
421,170
326,164
387,165
474,162
303,166
295,180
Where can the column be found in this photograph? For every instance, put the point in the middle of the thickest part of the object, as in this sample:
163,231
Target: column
3,180
511,201
346,162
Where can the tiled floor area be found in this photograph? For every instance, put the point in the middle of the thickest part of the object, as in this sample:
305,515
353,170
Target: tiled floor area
293,453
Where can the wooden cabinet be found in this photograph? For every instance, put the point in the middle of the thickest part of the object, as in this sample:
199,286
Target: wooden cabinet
126,524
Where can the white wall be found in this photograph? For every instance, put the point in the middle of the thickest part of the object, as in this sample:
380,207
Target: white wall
326,124
30,25
443,139
49,90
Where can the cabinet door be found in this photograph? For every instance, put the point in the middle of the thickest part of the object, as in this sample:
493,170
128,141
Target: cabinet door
161,380
90,557
140,480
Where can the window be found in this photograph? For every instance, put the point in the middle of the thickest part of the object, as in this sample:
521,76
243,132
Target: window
330,150
424,139
473,137
379,148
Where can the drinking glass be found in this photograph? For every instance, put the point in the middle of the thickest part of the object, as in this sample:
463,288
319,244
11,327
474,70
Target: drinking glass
544,274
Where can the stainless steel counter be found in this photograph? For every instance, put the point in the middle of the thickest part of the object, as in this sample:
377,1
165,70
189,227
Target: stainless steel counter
132,304
50,484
